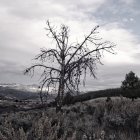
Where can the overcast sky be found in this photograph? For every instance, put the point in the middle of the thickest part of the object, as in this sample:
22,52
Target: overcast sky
22,34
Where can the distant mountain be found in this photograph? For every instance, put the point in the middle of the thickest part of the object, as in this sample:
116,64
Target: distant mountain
31,88
20,92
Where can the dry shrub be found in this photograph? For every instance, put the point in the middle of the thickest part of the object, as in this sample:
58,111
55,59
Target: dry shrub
88,121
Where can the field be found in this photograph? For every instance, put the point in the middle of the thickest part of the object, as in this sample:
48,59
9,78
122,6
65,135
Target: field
96,119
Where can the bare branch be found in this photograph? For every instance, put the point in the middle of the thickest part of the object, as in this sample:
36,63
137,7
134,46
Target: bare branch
40,65
53,34
86,39
50,52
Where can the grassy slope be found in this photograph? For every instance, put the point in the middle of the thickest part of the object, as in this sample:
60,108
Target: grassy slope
82,121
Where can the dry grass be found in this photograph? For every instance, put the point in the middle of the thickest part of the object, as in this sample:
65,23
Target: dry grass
91,120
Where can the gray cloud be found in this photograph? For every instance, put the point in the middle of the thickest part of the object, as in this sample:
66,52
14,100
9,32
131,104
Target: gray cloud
12,72
8,70
110,76
119,11
41,9
22,35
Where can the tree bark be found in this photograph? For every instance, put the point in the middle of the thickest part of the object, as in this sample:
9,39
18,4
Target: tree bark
61,84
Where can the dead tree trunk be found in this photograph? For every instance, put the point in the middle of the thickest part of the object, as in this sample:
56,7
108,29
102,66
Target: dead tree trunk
62,82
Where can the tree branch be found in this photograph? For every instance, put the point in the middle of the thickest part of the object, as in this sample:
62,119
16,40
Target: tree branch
40,65
86,38
53,34
48,52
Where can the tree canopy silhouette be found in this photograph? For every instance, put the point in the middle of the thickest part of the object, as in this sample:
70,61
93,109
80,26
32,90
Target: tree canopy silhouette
131,86
72,60
131,81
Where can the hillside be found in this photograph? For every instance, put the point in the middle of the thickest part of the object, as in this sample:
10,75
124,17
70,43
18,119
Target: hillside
91,120
20,92
13,93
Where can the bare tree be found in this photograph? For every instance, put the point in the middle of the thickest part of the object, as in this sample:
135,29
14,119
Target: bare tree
73,60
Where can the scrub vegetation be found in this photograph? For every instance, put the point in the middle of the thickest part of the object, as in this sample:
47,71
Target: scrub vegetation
115,118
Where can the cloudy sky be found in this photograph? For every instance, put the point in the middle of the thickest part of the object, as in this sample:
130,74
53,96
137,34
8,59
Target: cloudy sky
22,34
